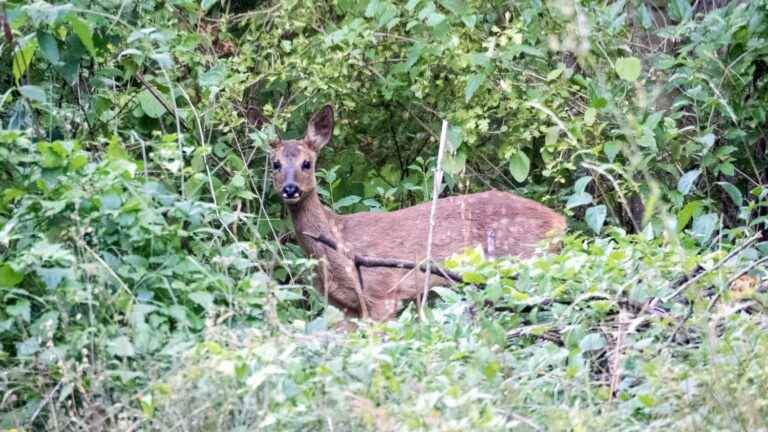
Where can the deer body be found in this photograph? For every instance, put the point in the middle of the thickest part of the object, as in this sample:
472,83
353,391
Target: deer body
502,223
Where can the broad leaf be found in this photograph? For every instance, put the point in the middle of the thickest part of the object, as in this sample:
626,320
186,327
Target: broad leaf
595,217
473,83
628,68
23,55
733,192
150,105
83,31
611,149
49,48
686,181
578,199
704,226
9,277
346,201
121,346
592,342
519,165
33,93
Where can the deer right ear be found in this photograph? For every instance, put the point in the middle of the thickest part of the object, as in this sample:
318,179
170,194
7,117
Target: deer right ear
255,117
320,128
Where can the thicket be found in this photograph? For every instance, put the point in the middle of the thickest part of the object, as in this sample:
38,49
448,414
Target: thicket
148,277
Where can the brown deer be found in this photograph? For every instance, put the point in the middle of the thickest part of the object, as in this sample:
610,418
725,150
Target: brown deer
502,223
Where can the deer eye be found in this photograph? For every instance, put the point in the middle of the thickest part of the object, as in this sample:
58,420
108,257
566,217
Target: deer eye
306,165
276,165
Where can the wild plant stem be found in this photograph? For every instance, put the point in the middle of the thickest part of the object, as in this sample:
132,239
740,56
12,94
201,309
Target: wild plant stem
436,182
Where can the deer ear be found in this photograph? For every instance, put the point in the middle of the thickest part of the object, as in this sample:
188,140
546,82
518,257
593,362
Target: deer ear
255,117
320,128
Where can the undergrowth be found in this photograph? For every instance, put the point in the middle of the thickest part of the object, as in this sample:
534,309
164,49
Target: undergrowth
149,279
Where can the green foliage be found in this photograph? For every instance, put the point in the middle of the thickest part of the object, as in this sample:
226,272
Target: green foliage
146,272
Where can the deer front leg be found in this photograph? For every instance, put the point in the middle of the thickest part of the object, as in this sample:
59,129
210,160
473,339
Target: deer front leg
340,280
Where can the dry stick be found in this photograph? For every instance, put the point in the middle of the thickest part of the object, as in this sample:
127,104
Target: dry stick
364,261
368,261
615,184
616,364
156,94
437,181
735,277
719,264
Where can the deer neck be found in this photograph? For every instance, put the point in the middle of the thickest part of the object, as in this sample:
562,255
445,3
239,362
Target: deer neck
309,216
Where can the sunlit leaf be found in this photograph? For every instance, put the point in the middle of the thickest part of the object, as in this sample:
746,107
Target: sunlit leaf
687,180
83,31
519,165
628,68
595,217
23,55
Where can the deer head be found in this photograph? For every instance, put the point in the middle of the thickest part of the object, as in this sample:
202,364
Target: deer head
293,161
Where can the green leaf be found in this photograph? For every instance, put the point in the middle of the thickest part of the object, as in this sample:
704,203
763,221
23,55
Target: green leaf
121,346
21,309
206,5
553,74
78,160
680,10
592,342
686,181
704,226
581,184
49,48
706,140
519,165
472,277
686,214
455,164
203,298
578,199
83,31
34,93
595,217
733,192
347,201
590,115
611,149
52,277
9,277
628,68
23,56
473,83
213,77
435,18
150,105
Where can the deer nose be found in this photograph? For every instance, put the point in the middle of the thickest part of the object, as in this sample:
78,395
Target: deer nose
290,191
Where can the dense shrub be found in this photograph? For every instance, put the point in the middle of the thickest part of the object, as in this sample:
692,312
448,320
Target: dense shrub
148,277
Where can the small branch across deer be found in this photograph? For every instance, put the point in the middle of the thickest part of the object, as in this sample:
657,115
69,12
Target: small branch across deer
366,261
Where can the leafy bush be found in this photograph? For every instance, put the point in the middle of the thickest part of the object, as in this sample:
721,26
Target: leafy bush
148,277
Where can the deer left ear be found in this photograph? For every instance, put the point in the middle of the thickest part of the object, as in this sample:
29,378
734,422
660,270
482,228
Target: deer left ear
320,128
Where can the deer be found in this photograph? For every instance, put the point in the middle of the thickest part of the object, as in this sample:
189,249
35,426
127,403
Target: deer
502,223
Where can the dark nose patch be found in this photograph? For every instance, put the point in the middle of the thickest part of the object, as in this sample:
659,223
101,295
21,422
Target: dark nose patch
290,190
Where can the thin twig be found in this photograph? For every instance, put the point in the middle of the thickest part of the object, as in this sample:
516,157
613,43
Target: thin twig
719,264
747,270
43,403
156,94
368,261
108,269
437,181
616,364
736,277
